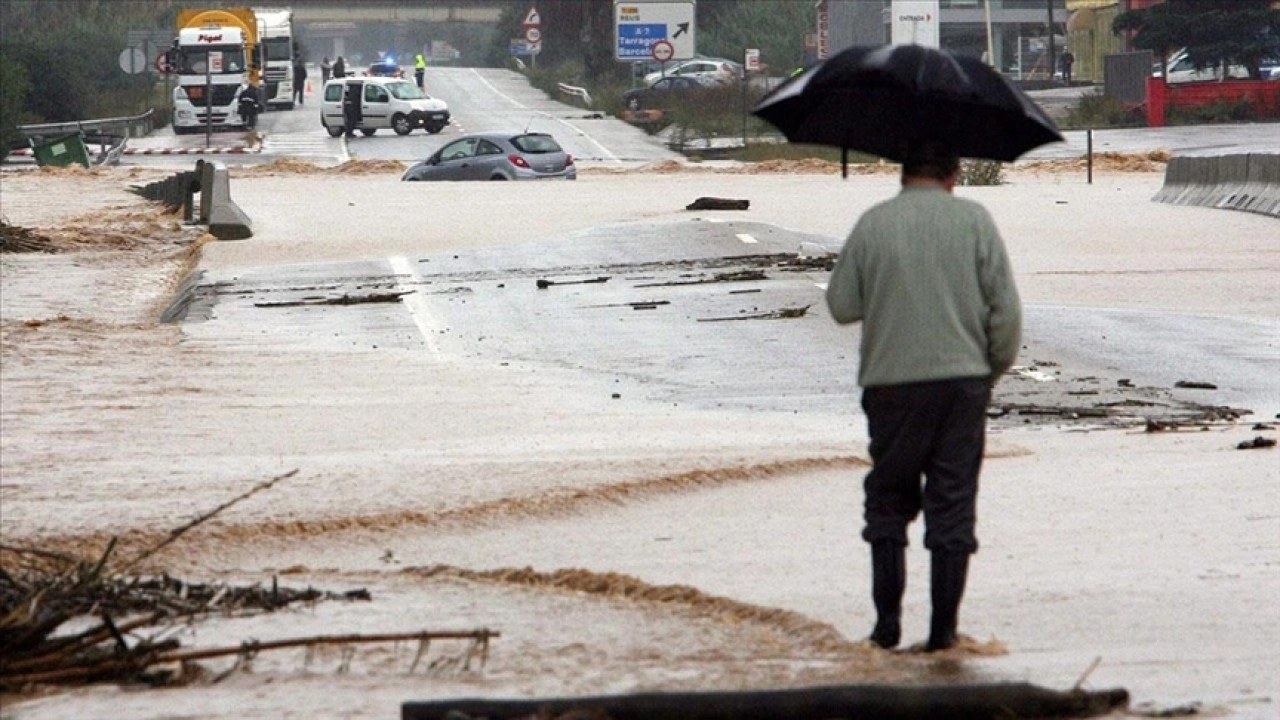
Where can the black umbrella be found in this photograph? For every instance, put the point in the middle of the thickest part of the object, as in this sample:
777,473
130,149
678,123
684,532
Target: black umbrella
887,100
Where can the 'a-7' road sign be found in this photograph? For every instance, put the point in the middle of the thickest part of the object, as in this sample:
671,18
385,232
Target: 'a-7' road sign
640,24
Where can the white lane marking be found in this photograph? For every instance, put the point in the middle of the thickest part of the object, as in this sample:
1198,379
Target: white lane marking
747,238
510,99
415,301
821,286
549,116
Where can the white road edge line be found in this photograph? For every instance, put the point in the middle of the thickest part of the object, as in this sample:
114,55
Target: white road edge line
821,286
549,116
747,238
415,302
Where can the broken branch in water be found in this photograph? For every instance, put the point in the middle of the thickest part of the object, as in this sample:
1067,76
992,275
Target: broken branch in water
180,531
149,656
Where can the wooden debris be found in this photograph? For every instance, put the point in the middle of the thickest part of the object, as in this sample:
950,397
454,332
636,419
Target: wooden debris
1256,443
736,276
342,300
180,531
22,240
635,305
715,203
780,314
543,283
848,701
1195,385
41,590
144,655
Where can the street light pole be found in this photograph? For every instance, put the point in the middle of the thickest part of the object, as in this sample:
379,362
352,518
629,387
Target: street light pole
1053,59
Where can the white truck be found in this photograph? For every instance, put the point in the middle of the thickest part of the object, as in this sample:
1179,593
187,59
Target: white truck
275,36
214,64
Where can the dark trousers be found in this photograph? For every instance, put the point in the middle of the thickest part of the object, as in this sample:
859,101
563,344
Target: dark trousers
936,430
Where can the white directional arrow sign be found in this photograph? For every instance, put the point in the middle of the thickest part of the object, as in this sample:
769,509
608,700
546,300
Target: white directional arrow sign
640,24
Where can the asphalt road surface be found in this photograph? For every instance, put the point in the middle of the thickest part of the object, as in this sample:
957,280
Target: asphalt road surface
490,99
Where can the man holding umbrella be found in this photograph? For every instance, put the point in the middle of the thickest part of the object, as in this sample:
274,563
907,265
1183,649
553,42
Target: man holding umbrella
928,276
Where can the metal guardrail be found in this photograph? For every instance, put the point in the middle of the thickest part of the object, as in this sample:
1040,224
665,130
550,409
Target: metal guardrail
576,92
135,126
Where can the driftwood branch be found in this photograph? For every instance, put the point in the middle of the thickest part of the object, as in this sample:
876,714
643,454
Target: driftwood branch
147,657
179,532
884,702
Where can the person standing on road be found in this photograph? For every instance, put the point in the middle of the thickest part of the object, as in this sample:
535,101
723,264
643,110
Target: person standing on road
325,69
351,107
339,68
299,78
1067,61
420,70
928,276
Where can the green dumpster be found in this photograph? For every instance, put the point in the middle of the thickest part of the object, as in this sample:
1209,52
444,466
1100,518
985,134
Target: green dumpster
61,151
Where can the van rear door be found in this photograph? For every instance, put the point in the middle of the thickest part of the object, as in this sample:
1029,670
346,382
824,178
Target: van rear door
331,104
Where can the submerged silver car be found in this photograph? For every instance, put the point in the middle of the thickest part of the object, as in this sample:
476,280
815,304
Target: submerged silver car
497,156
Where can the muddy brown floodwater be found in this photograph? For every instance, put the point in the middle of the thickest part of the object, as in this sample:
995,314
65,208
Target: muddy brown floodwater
717,549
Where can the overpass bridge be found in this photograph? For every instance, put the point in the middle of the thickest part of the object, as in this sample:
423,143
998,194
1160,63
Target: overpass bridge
332,27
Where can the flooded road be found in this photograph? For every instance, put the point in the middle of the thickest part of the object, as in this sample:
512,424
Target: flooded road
644,470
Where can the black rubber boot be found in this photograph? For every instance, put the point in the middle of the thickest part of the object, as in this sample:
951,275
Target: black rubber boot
888,581
949,571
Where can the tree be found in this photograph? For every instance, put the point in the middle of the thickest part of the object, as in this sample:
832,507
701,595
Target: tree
1214,32
14,89
64,54
726,28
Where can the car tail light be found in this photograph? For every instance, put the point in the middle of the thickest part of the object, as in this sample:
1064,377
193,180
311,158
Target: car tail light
568,159
518,161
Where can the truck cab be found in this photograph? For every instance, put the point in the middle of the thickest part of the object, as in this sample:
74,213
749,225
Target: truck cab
212,67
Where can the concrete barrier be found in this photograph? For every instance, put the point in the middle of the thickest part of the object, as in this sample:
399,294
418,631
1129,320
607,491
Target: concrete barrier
1264,179
1233,173
1233,182
225,219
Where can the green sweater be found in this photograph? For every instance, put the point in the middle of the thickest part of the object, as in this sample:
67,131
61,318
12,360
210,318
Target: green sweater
928,276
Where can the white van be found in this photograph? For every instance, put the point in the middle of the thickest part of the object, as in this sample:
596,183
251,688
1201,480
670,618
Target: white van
385,102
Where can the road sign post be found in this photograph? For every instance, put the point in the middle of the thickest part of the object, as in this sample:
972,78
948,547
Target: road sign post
645,30
531,30
133,60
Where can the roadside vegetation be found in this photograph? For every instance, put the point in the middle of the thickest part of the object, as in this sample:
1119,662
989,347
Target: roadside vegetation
59,60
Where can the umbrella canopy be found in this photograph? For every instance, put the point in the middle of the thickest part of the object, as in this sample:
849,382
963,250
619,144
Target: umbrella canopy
887,100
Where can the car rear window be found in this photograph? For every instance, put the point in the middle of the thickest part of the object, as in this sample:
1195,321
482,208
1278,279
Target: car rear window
536,143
